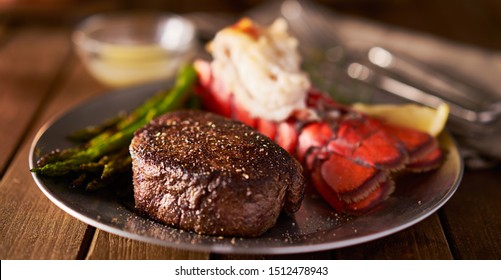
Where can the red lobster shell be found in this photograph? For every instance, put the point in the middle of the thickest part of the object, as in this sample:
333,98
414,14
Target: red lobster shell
350,157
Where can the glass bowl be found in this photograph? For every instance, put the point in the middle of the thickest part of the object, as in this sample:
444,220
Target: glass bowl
128,48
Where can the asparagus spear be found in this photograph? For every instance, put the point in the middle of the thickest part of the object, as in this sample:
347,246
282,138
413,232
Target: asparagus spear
90,132
116,165
108,142
97,133
111,168
57,155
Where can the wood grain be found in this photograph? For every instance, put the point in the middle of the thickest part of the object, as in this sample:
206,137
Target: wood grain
110,246
322,255
3,31
472,218
30,62
40,78
424,240
32,227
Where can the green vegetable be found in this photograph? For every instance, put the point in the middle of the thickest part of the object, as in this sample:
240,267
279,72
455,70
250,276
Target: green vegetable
92,131
103,153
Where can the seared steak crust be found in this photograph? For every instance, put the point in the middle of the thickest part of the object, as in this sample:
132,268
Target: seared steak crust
202,172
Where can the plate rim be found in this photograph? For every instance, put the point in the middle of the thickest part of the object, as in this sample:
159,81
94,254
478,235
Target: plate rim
222,248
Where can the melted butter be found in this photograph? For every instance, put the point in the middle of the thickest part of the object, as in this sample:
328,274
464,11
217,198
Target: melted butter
119,66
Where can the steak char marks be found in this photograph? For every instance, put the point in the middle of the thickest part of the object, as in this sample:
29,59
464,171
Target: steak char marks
198,171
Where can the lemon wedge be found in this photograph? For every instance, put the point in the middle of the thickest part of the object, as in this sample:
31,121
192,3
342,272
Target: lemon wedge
413,116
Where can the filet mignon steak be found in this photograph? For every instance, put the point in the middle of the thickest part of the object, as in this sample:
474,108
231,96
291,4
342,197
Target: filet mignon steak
198,171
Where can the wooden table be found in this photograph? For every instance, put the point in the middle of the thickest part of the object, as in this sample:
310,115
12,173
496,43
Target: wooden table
40,77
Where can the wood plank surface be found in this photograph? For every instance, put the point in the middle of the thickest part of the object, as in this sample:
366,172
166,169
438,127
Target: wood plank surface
110,246
3,32
425,240
472,218
30,62
40,77
321,255
32,227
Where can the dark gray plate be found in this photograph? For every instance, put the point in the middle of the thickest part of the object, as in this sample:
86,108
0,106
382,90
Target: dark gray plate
314,227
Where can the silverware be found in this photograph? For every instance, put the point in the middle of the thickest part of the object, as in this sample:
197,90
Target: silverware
390,71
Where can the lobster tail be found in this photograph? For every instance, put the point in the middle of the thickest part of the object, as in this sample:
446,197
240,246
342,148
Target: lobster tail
350,157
